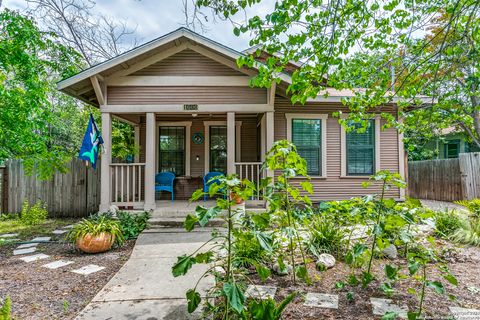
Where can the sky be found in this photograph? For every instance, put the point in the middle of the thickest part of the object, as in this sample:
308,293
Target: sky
153,18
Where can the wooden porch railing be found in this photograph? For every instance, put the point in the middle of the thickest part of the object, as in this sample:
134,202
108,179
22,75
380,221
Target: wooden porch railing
127,181
253,172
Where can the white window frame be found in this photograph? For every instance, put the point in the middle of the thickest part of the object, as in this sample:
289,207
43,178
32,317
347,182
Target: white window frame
188,130
323,117
343,147
238,146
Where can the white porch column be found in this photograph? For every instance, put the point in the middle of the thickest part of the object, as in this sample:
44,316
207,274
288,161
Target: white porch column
150,162
269,134
230,142
105,192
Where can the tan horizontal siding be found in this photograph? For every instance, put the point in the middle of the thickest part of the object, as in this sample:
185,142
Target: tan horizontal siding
187,63
185,95
334,187
249,140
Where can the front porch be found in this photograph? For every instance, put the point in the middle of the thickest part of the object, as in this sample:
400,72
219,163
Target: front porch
189,145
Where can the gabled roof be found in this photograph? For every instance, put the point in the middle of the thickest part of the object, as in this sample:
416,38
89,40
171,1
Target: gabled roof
71,85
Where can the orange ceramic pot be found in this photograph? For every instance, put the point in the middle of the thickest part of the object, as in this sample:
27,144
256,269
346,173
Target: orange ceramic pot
238,199
96,243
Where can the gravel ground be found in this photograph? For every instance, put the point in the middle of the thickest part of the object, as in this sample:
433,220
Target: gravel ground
441,205
40,293
463,263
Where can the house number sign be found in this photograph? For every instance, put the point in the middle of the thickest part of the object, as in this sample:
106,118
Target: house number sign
190,107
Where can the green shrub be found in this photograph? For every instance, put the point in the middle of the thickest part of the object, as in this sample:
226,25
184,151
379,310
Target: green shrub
6,309
326,237
95,227
468,234
33,215
132,224
447,222
472,205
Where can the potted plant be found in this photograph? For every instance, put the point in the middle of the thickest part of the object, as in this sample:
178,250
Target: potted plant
96,235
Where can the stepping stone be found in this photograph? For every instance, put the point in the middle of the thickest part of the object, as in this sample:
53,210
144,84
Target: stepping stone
464,314
260,292
59,231
70,226
27,245
41,239
24,251
382,306
57,264
8,235
34,257
321,300
86,270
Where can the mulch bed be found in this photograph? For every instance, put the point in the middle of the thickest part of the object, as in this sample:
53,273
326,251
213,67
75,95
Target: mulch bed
41,293
464,264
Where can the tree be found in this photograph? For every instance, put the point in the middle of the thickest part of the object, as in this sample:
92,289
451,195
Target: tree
75,22
322,36
32,117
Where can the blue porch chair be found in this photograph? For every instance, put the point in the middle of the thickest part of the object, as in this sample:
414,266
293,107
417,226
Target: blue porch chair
207,181
164,182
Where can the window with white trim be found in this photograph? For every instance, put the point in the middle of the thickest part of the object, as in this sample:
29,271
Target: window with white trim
360,149
308,133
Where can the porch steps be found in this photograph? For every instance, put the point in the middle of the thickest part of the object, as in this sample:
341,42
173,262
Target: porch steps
177,222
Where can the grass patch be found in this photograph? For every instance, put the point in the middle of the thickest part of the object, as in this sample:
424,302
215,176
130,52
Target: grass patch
26,232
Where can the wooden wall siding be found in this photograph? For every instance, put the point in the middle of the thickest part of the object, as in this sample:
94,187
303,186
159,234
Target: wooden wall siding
334,187
73,194
139,95
249,140
197,168
187,63
445,179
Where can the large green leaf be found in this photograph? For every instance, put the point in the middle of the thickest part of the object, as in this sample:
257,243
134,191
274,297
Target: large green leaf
193,300
204,215
235,296
437,286
190,221
183,264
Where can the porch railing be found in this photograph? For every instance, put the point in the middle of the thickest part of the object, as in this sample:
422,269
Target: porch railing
253,172
127,181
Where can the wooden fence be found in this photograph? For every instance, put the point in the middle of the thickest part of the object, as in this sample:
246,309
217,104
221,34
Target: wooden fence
445,179
73,194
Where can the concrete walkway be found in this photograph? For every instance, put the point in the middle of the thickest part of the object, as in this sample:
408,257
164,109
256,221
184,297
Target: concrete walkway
144,287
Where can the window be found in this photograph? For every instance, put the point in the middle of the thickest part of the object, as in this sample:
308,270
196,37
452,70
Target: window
218,148
360,148
452,149
307,137
172,150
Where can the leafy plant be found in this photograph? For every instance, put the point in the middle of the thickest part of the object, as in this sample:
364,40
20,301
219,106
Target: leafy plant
220,254
6,309
33,215
469,233
326,237
387,180
283,198
447,222
267,309
132,224
418,261
96,226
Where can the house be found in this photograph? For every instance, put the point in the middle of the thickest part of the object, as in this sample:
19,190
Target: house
194,112
449,143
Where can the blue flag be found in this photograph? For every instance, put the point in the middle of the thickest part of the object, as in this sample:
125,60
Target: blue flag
91,143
